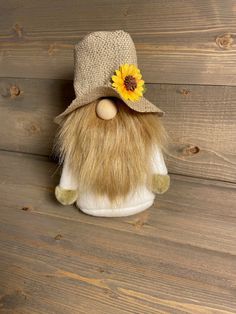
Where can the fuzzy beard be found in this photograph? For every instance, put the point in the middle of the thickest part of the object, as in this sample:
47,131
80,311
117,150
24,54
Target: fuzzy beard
110,157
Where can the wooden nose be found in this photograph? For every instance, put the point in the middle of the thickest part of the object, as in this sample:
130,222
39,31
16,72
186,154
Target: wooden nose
106,109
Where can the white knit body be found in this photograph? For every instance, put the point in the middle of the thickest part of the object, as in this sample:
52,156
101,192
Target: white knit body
135,202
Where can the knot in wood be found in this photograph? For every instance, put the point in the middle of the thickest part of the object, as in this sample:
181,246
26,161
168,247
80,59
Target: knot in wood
18,30
185,92
130,83
190,150
225,41
14,91
26,208
58,237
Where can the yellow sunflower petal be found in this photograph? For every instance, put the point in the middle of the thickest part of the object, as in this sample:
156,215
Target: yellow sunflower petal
124,69
140,82
138,76
132,70
132,73
126,66
131,97
114,78
130,94
115,85
118,73
134,97
117,79
120,89
125,95
138,93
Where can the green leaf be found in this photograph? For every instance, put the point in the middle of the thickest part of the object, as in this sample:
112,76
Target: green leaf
144,88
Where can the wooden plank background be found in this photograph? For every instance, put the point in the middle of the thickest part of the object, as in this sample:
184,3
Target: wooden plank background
187,41
177,257
200,121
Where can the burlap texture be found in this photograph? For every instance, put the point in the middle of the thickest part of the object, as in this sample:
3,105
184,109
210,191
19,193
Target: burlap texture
96,58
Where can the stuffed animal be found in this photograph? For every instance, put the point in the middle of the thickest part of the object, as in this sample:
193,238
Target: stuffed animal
110,138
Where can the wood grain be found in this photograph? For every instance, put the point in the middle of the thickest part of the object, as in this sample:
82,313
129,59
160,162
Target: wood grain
177,257
27,118
200,121
177,41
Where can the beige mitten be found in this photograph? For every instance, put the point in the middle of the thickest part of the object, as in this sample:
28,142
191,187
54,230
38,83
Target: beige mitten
160,183
64,196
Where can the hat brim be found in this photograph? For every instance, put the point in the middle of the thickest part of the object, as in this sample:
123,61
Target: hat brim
141,105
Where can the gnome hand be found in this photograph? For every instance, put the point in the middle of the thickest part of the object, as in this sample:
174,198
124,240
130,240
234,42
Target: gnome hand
64,196
160,183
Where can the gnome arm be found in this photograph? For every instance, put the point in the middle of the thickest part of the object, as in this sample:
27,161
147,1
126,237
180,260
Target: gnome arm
160,178
66,192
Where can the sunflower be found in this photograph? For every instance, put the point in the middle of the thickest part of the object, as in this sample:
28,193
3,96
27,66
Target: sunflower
128,82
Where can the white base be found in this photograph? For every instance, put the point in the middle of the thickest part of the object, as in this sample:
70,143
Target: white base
117,212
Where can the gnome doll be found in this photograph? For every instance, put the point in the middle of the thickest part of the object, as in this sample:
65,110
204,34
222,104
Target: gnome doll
110,138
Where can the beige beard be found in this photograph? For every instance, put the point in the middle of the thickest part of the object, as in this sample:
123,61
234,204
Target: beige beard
110,157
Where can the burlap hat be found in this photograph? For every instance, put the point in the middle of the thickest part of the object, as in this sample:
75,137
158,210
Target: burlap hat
96,57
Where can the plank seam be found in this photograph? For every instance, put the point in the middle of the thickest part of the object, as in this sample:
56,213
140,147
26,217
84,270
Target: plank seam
52,158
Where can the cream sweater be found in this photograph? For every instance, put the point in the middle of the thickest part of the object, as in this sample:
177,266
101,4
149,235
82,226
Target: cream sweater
135,202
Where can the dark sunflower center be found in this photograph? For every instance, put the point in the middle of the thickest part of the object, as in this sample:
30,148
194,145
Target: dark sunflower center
130,83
